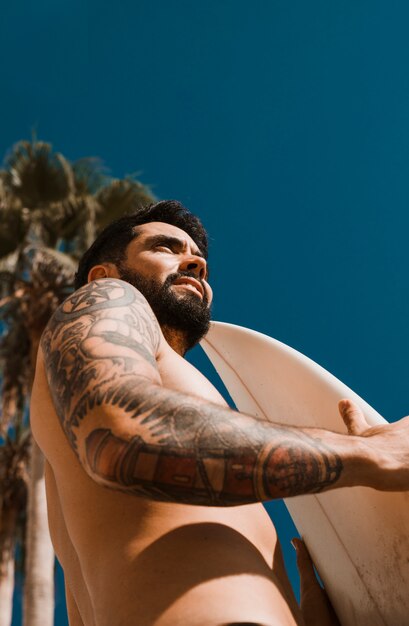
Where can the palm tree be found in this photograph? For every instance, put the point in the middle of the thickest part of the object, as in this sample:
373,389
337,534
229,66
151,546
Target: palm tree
50,212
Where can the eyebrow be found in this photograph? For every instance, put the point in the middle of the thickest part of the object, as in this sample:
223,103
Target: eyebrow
172,241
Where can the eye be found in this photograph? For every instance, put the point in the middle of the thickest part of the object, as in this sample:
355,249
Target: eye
162,247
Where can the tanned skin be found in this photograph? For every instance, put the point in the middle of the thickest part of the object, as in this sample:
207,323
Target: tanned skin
197,452
115,406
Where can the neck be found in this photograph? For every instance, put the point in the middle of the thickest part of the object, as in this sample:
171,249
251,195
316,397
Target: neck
176,339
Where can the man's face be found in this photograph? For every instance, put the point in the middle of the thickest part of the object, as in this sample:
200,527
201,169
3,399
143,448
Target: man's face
167,267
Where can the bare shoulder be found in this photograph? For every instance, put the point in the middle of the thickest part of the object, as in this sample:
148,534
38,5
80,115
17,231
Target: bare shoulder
109,309
104,335
107,298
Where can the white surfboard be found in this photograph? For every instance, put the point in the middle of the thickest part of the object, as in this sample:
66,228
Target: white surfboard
358,537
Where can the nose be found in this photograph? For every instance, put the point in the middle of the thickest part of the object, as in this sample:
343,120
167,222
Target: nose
195,264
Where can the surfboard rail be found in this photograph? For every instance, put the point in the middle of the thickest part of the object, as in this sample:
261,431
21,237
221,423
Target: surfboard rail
358,537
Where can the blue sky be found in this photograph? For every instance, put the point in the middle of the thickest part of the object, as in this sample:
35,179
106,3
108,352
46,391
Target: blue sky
284,125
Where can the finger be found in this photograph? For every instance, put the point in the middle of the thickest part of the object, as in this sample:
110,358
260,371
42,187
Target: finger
308,578
353,417
315,605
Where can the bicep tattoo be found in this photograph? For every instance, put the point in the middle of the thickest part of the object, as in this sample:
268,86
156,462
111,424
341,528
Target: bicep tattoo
102,334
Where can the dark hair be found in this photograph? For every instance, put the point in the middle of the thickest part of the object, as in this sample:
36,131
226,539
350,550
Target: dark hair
111,243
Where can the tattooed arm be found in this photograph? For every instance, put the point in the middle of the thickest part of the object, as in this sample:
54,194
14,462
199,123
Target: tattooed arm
132,434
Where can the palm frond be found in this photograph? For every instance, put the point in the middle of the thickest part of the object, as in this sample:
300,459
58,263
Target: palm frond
7,198
70,219
36,175
7,274
13,224
90,174
44,278
73,215
13,228
121,197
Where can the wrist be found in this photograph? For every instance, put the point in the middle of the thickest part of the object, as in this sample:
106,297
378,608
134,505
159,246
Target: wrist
358,460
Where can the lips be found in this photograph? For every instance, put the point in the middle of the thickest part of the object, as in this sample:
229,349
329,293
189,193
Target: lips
187,280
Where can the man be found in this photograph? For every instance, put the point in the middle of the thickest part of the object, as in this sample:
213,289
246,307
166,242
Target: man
154,485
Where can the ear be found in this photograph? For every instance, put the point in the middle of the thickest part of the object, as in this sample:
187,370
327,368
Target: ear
108,270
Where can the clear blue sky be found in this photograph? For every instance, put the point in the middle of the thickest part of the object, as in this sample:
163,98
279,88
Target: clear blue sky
285,126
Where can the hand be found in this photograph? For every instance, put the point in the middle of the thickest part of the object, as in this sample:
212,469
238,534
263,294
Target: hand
387,447
316,608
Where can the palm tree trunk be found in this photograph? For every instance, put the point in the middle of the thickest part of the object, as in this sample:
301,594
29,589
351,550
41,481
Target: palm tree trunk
39,581
7,546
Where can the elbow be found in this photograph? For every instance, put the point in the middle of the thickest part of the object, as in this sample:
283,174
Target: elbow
118,464
121,464
111,459
127,465
140,469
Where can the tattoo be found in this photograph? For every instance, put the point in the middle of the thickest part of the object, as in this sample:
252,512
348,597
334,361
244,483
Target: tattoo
102,333
100,351
200,453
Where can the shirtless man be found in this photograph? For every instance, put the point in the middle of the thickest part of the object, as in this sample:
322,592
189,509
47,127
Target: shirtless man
154,485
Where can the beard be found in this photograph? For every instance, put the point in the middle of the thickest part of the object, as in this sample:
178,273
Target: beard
185,313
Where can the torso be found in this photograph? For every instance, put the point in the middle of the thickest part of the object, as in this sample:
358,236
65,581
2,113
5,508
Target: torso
133,561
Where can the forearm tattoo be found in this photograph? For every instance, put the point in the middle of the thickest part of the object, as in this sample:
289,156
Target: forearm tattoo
100,351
